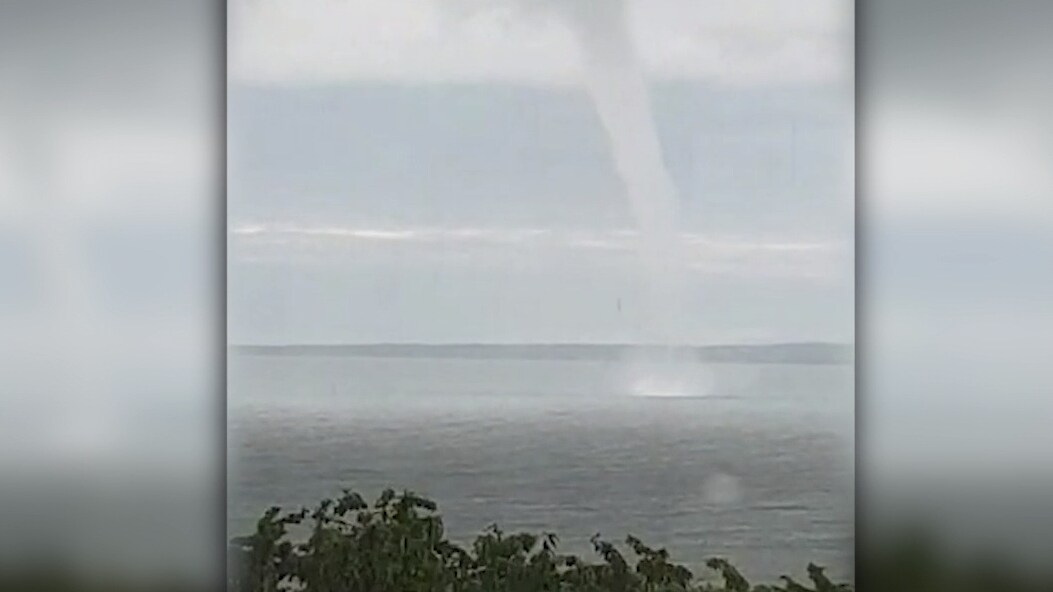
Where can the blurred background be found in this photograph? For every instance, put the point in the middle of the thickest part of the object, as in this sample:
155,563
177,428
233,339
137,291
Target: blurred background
111,287
953,282
112,324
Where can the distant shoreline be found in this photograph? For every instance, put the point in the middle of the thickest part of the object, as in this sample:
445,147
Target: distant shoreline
780,353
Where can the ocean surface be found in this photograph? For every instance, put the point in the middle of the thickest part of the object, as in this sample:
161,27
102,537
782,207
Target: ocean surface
751,461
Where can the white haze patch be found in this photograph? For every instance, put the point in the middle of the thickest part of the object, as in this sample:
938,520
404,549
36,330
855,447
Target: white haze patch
721,489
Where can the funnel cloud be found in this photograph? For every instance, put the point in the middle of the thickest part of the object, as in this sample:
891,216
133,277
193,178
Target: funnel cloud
615,82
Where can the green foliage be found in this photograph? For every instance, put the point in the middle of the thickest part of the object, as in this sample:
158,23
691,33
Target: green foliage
398,544
916,559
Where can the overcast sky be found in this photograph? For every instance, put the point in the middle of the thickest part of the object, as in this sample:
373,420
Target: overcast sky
401,172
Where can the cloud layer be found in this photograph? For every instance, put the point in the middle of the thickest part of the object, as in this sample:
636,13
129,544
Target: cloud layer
723,255
730,42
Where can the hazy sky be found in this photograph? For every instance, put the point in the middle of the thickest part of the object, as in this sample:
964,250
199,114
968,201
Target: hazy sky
401,172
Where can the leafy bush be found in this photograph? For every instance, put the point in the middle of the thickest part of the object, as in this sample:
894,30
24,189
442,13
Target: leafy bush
398,544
